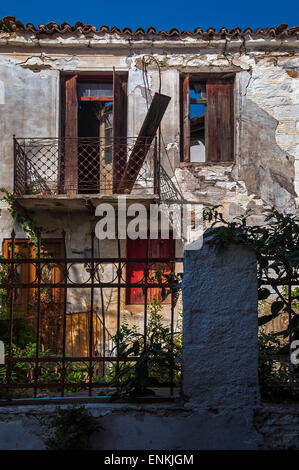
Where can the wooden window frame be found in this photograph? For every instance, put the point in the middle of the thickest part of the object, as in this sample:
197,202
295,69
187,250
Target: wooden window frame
95,78
70,127
28,270
219,117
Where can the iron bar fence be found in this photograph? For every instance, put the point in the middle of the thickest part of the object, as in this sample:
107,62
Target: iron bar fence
38,295
279,323
84,165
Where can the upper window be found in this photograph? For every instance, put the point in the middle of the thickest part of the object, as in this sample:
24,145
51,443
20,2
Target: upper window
207,119
95,127
95,91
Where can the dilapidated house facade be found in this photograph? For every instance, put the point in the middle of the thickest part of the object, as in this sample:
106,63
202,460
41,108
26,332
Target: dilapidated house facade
97,116
88,114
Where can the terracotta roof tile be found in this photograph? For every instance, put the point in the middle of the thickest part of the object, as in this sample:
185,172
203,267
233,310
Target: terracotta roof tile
10,24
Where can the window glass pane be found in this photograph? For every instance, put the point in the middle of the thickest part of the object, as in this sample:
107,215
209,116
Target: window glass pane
197,122
95,90
198,89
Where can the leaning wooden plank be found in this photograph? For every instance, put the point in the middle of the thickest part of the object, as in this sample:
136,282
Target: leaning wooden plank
147,133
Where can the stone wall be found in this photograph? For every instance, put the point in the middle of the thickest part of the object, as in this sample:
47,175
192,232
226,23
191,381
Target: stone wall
159,427
279,426
220,328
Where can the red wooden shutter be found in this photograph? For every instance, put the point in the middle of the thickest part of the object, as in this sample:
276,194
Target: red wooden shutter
186,118
119,129
71,130
219,132
135,271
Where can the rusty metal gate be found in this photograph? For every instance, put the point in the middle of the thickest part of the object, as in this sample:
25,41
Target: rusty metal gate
39,362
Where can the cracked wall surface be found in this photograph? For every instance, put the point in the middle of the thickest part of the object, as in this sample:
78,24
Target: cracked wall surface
265,172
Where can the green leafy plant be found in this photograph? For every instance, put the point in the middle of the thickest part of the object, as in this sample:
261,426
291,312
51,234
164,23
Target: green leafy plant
170,281
4,27
49,372
23,372
276,245
145,362
25,220
271,372
278,238
34,187
72,429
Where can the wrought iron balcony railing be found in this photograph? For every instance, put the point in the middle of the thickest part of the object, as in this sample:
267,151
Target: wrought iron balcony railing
89,165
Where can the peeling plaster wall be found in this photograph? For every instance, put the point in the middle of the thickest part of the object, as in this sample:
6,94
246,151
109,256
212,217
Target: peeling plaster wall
266,169
29,107
266,110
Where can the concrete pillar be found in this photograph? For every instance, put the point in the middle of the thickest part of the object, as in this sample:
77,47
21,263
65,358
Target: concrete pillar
220,353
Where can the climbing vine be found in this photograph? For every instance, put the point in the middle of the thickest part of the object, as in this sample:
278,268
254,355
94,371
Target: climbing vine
24,220
276,245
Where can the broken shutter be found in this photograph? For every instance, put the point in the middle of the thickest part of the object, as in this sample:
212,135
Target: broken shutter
71,134
219,130
119,129
135,271
186,118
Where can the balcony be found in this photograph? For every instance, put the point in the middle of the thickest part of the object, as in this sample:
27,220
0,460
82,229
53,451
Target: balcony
80,169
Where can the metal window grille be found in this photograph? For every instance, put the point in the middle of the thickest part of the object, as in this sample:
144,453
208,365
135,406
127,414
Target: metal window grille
46,368
40,165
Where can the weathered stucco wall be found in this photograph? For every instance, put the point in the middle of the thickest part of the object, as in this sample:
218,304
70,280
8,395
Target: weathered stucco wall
220,328
266,166
266,169
29,107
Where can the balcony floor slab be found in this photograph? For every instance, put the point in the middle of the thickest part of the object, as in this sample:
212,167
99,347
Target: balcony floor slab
77,202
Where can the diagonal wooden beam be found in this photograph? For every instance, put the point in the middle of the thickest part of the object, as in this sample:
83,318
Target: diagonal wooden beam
146,135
